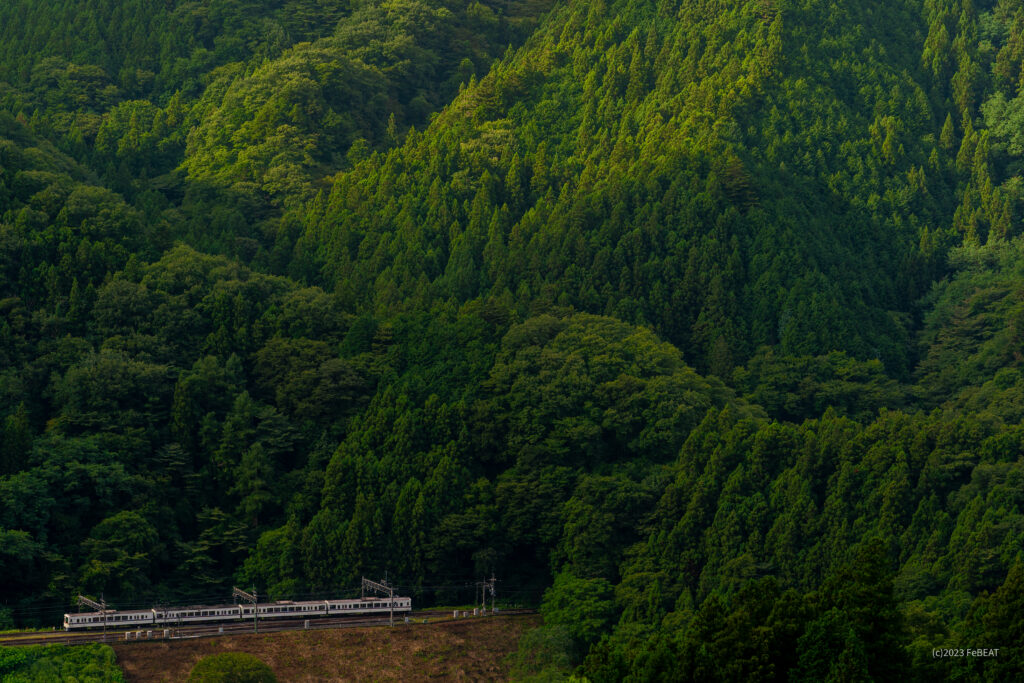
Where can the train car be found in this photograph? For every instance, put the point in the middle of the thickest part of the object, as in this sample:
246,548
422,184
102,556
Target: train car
368,605
127,619
197,614
200,614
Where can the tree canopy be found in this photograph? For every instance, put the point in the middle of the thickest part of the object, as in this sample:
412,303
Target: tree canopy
700,323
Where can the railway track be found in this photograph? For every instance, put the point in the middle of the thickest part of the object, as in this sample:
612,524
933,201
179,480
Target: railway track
228,629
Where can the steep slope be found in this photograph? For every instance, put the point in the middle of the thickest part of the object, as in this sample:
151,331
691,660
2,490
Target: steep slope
974,332
734,174
634,321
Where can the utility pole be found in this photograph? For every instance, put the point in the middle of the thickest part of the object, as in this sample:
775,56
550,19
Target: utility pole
384,588
480,595
249,597
101,606
484,587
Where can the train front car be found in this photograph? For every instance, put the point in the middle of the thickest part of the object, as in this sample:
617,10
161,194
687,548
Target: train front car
110,619
83,620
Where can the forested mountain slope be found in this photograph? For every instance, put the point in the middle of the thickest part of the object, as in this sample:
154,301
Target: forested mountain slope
734,175
698,321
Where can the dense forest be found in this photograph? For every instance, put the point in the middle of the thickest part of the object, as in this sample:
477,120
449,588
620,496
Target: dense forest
698,323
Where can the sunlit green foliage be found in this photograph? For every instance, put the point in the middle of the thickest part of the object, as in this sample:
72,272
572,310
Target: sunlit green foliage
700,323
231,667
58,663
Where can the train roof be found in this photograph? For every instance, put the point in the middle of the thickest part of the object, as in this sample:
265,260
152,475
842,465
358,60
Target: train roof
142,610
193,607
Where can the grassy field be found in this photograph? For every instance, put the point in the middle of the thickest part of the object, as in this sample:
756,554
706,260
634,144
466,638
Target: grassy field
472,649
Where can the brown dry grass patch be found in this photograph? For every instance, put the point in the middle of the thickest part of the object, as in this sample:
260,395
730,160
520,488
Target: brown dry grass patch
469,650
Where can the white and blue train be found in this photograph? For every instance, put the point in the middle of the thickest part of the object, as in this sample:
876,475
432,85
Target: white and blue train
174,616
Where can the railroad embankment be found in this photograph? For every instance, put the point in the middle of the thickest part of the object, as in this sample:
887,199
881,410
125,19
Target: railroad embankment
469,649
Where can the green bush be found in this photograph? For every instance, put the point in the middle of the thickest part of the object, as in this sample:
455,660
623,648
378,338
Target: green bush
231,667
57,663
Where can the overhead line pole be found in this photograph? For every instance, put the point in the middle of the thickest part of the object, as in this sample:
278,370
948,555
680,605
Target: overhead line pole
385,589
101,606
249,597
493,581
484,587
